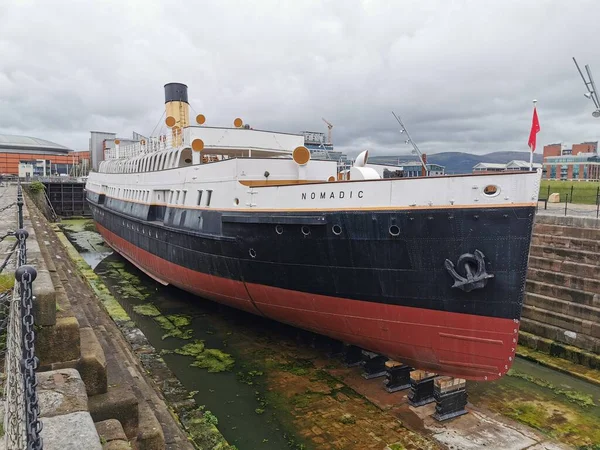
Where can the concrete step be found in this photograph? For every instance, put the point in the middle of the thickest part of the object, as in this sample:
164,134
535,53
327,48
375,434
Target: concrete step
563,293
563,321
567,267
567,231
565,280
558,334
588,245
577,310
564,254
569,221
559,350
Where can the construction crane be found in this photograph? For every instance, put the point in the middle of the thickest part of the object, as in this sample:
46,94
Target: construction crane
329,126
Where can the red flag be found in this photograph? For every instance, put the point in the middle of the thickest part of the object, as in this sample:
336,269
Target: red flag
535,128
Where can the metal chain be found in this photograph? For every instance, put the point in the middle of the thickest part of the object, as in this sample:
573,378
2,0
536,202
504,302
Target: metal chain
7,206
25,276
21,422
8,256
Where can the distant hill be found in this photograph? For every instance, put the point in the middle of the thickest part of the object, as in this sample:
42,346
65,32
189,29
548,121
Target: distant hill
458,162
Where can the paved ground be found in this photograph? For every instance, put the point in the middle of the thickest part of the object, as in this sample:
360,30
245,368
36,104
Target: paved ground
8,222
572,209
123,367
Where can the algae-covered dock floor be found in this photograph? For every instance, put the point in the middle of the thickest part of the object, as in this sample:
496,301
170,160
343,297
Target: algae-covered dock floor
270,389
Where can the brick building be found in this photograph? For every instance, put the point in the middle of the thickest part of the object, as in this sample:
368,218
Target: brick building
28,156
580,162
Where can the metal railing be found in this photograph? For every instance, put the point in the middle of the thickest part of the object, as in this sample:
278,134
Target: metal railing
21,418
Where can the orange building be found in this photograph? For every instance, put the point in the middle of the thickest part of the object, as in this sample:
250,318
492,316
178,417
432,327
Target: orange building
28,156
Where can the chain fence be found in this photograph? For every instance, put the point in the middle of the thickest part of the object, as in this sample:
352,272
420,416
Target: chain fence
22,426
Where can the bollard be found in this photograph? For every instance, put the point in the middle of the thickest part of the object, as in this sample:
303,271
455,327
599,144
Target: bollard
397,376
374,365
352,356
421,388
450,396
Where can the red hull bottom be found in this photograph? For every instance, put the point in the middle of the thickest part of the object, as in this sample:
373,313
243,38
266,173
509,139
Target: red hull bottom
459,345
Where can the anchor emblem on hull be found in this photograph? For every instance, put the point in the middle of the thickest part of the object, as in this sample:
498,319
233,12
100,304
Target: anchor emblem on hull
473,265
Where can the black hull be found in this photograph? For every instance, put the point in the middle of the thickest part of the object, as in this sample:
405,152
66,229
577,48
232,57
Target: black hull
360,260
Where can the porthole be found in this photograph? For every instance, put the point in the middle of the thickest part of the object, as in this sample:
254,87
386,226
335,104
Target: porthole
394,230
305,230
278,229
236,201
252,253
491,190
336,229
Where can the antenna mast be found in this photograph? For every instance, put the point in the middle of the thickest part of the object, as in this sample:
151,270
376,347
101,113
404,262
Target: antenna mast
409,140
591,87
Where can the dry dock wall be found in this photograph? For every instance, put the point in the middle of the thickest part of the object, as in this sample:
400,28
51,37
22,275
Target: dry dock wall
561,312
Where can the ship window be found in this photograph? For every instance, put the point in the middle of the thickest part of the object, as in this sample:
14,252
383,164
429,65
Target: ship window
177,198
199,196
171,198
491,190
183,197
208,196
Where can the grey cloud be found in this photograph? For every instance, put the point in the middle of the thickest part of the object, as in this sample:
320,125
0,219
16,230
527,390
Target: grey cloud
462,74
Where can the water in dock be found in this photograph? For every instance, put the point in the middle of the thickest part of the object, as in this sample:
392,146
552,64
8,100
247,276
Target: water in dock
274,381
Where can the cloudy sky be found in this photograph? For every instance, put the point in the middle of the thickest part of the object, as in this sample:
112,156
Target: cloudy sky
462,74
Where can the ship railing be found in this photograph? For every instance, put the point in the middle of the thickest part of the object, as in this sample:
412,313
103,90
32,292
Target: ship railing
175,139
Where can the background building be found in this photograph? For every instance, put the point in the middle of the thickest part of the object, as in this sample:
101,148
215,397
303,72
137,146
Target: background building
28,156
581,162
514,165
102,141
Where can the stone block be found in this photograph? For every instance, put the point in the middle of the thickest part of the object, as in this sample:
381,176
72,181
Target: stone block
119,403
110,430
554,197
75,431
117,445
61,392
59,342
92,364
150,434
44,304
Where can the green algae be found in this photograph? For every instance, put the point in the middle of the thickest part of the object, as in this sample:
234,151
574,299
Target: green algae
111,305
579,398
214,360
562,365
249,377
192,349
529,413
146,309
396,447
179,320
171,329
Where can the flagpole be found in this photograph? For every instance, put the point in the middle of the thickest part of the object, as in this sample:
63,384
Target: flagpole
530,149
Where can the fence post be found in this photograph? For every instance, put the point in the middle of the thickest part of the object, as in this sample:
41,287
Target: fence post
20,205
566,201
548,194
571,194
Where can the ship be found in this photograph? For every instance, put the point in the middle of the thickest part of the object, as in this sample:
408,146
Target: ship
426,270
